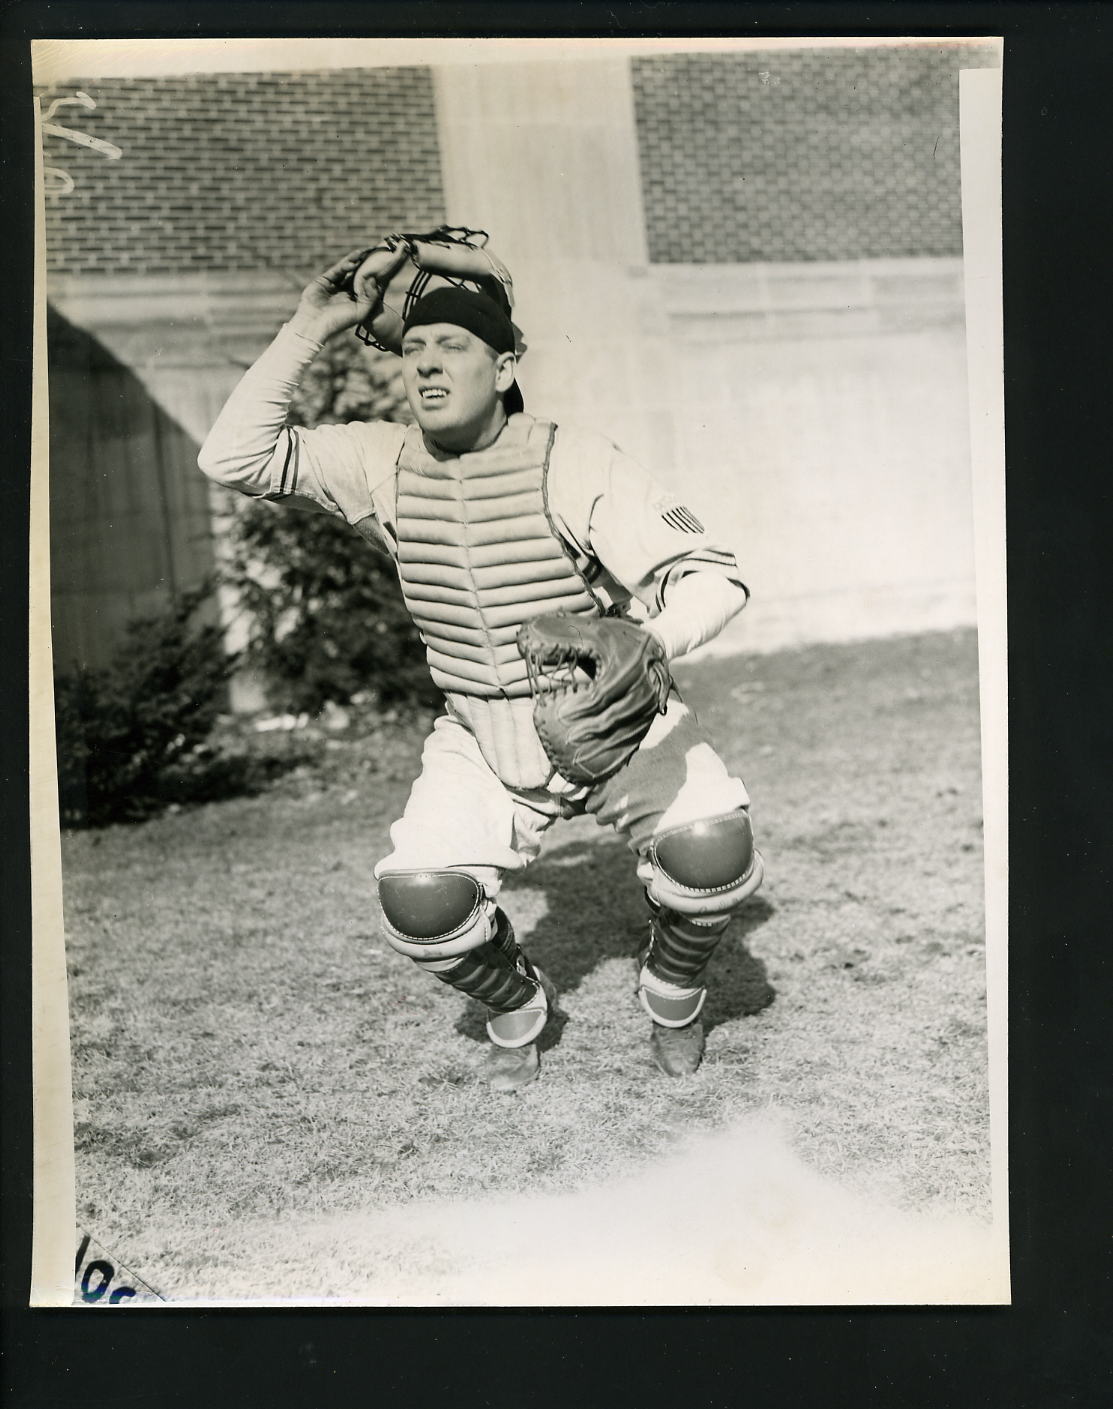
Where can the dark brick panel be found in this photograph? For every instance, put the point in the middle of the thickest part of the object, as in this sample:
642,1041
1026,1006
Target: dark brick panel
231,172
806,155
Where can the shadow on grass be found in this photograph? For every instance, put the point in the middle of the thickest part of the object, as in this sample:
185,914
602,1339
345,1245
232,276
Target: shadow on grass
595,911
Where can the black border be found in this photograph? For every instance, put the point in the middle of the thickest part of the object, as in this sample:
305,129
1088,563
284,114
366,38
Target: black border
1051,1348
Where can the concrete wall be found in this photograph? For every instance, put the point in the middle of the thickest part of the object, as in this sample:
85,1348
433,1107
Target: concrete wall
823,418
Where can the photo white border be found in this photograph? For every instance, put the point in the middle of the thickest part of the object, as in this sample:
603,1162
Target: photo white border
54,61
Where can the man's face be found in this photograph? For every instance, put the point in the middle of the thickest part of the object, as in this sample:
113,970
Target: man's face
453,381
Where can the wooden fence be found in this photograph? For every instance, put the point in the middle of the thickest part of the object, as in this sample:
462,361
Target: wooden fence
129,512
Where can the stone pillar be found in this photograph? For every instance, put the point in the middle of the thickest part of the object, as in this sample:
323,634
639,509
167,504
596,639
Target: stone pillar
543,155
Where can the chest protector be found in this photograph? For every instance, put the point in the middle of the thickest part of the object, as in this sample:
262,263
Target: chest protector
477,556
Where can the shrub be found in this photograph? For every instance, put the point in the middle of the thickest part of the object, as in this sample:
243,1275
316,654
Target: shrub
326,620
122,727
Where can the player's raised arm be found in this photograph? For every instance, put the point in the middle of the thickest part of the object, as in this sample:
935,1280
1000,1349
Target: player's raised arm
250,448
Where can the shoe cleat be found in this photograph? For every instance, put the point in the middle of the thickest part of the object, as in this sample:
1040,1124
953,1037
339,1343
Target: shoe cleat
509,1068
678,1051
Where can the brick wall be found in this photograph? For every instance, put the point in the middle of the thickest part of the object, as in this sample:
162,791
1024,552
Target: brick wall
806,155
231,172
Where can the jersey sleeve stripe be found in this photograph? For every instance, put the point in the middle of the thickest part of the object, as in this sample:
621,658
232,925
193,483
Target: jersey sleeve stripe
693,562
286,462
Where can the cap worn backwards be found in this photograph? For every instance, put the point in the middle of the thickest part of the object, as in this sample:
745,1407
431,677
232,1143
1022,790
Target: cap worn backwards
466,309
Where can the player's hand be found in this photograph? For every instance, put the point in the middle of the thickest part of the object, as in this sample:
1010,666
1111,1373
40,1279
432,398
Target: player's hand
333,300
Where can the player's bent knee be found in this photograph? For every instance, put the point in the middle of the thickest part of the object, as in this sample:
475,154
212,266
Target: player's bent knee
705,868
434,914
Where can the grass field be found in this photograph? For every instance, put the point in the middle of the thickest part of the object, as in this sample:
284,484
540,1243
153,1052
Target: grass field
269,1102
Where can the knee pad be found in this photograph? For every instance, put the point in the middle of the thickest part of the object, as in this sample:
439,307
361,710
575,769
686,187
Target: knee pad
434,914
705,868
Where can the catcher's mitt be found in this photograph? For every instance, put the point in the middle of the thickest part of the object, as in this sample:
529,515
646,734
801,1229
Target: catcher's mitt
597,683
447,255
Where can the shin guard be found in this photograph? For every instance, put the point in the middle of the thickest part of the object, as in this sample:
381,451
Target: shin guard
670,977
500,976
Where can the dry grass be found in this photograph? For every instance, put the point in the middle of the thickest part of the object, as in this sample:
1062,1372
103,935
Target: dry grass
257,1074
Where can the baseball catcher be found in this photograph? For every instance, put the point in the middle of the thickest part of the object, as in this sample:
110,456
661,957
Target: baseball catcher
552,582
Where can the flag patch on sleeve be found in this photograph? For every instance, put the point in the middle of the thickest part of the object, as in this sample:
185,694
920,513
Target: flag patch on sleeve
682,519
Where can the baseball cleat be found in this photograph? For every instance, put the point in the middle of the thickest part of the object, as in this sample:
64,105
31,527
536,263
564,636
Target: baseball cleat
508,1068
678,1051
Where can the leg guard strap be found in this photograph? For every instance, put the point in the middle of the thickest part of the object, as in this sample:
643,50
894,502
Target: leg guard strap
681,947
498,973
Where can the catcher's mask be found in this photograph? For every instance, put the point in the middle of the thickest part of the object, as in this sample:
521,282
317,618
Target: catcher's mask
452,257
474,311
